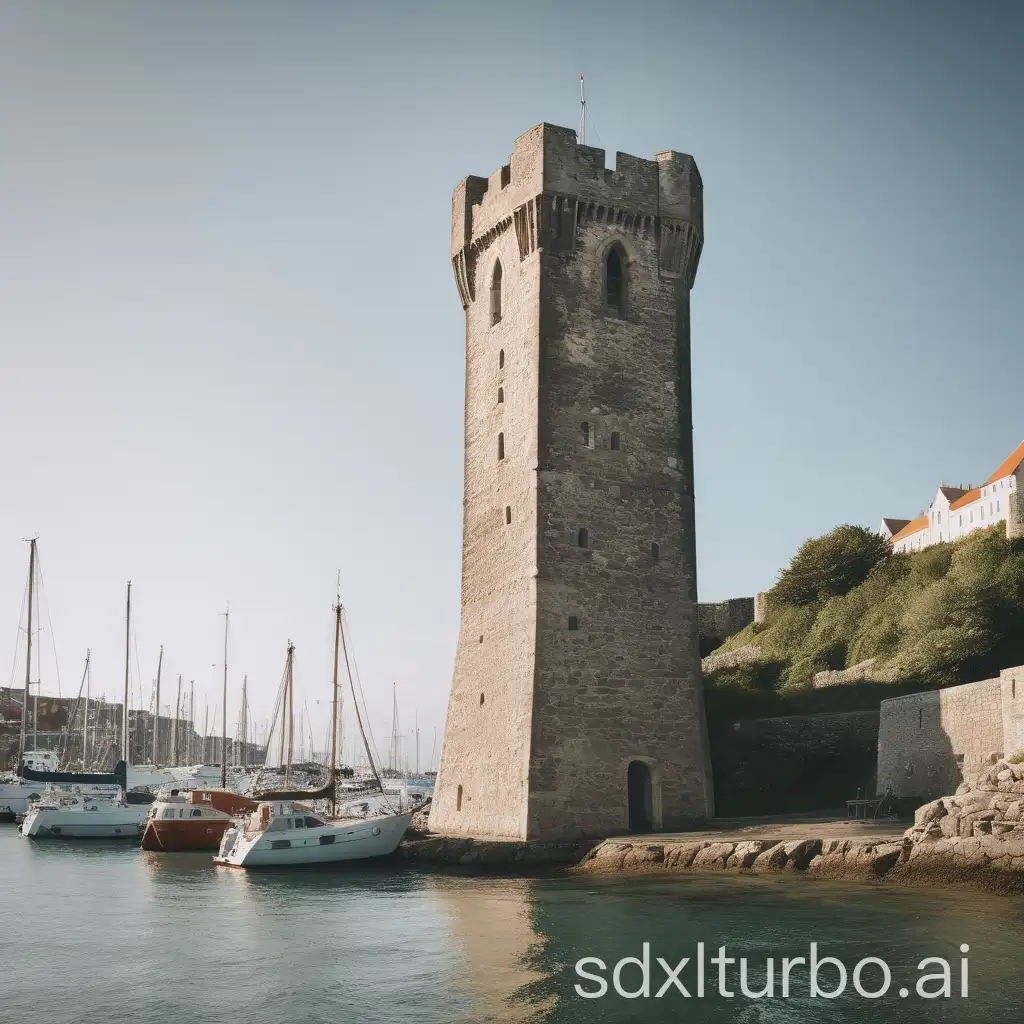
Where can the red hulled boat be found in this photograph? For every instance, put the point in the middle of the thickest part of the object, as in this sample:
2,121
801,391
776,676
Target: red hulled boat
195,820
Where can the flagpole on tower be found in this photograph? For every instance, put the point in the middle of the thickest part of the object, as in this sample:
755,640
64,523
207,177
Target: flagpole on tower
583,114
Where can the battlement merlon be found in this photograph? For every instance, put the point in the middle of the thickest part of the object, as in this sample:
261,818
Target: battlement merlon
548,159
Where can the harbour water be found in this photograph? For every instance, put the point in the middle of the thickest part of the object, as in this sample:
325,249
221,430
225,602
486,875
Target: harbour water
99,933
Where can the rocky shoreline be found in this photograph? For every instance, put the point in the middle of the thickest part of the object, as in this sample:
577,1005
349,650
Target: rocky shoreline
973,838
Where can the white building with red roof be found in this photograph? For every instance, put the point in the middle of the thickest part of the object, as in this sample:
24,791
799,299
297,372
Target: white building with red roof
955,511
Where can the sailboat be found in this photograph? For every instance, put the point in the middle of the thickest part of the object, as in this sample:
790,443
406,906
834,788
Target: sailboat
81,813
283,832
17,793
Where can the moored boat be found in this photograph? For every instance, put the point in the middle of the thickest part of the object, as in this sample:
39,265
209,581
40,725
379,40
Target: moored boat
195,820
79,814
284,833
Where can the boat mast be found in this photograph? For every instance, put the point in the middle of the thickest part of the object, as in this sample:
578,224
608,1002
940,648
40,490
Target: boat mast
334,706
175,732
127,653
190,746
245,723
85,717
28,654
156,721
284,708
291,713
224,711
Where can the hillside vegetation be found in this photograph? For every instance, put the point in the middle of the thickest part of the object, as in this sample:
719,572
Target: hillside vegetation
952,613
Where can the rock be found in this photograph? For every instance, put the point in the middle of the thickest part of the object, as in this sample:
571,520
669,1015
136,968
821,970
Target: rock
644,856
747,852
930,812
771,860
874,859
608,857
800,853
679,856
714,855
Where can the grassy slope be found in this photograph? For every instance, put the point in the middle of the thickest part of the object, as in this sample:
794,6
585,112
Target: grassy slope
952,613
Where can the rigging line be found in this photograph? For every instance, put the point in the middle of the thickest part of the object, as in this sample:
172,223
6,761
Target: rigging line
359,683
17,641
46,603
355,704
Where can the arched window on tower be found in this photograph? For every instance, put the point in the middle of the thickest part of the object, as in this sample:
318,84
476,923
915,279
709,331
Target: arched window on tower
615,281
496,293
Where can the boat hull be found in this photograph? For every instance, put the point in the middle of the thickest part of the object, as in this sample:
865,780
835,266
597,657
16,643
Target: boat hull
184,834
117,823
336,842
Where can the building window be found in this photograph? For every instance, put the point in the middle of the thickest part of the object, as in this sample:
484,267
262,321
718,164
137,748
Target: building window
613,441
508,514
496,293
585,432
961,520
458,799
655,551
583,538
481,700
920,717
501,395
938,517
501,447
481,638
501,360
615,281
574,622
997,506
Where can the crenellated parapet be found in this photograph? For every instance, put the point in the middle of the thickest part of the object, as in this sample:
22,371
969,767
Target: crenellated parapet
552,187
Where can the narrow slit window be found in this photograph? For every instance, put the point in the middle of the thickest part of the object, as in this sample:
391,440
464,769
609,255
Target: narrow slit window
496,293
508,514
655,550
501,360
615,282
458,799
613,441
501,395
481,700
585,433
583,538
574,622
501,447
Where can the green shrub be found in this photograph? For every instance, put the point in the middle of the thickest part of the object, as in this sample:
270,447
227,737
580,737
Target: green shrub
952,613
831,565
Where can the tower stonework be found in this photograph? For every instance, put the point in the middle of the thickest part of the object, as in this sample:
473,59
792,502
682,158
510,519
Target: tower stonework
576,706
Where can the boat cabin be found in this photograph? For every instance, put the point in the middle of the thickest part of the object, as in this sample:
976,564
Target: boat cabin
40,760
282,815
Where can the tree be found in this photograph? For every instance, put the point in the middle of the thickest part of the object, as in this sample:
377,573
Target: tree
830,566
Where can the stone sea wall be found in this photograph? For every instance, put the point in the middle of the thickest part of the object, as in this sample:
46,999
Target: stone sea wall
829,858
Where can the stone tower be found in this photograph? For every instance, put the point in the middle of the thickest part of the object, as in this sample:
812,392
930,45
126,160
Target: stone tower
576,706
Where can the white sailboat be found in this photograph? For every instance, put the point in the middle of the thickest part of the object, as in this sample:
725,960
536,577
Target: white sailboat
16,794
90,812
82,813
284,832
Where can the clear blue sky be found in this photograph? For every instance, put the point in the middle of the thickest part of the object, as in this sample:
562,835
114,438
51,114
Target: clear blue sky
231,349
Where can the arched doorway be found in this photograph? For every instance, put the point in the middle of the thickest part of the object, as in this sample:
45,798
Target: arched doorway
640,794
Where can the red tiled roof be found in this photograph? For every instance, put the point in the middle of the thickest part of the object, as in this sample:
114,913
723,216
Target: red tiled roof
971,495
1008,465
914,526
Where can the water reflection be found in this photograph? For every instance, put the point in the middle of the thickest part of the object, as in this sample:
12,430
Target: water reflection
490,922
